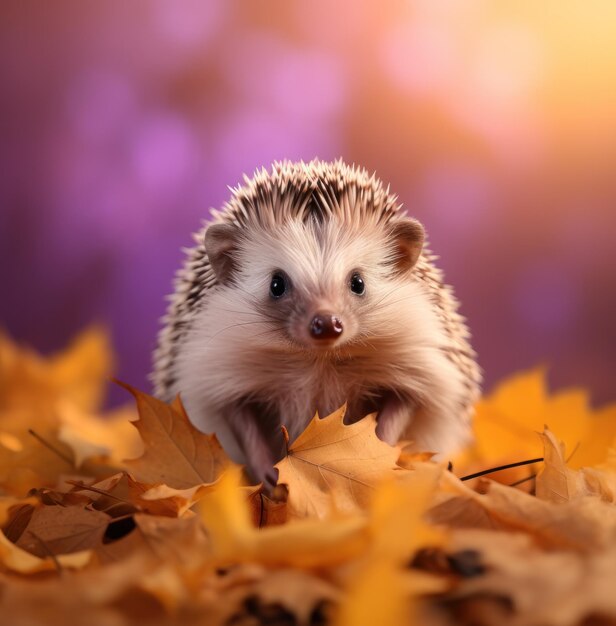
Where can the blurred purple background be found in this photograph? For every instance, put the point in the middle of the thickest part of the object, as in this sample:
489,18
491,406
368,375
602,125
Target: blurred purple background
122,123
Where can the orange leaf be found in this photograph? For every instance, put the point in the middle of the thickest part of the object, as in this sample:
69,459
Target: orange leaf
508,419
330,458
79,374
176,453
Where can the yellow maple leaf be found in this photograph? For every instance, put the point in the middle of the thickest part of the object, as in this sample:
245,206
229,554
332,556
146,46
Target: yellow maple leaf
46,404
507,422
176,453
583,523
79,374
177,501
332,459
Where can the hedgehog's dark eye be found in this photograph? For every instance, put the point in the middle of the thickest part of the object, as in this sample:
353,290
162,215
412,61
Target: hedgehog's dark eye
357,284
278,286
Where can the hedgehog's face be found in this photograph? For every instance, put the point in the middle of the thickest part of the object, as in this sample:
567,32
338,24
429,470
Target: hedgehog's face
316,285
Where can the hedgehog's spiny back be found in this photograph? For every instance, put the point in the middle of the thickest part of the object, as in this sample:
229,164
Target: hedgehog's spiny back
306,191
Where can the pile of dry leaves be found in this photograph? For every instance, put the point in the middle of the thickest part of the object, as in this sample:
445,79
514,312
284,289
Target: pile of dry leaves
357,532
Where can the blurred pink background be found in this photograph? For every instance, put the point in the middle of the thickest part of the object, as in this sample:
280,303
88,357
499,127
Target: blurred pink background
122,123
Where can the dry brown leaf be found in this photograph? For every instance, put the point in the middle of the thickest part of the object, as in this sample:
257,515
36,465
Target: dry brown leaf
291,595
558,483
301,543
112,495
465,511
55,530
8,505
267,509
170,540
174,539
176,453
165,500
555,481
330,459
121,549
555,588
21,561
159,553
586,524
548,559
121,494
18,518
43,457
75,596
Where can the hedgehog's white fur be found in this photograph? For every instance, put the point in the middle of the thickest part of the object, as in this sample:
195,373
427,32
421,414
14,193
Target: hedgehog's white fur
219,349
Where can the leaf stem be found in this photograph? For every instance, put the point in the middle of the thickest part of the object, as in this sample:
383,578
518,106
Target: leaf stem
81,486
500,468
51,447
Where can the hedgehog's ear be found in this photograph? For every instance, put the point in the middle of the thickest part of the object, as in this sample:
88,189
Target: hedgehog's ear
408,237
221,242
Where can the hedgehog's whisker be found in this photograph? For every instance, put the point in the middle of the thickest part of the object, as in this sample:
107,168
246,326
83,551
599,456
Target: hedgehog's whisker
281,330
251,297
240,312
413,296
270,330
378,302
361,339
222,330
233,302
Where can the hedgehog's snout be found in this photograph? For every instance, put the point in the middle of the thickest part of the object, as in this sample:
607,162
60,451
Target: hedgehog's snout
325,327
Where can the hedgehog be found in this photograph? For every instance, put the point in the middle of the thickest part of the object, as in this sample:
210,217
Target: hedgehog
309,290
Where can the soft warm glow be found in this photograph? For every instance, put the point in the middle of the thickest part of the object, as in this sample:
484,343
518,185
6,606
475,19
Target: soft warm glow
493,121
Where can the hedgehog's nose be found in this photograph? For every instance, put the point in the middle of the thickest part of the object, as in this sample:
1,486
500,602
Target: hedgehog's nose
325,326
